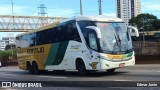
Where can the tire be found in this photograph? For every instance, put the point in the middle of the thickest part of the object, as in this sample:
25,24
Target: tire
58,71
110,71
81,68
29,68
35,68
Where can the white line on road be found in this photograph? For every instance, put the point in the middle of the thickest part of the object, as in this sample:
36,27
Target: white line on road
95,78
121,80
52,77
9,74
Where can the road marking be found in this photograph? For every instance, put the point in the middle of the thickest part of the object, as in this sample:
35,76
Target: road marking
121,80
95,78
146,71
9,74
52,77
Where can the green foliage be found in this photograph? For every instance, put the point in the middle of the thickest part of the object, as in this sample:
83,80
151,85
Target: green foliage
147,22
4,55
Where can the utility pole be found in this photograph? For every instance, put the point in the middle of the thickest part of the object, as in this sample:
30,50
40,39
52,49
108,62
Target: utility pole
100,7
127,7
143,32
12,13
12,8
81,9
43,13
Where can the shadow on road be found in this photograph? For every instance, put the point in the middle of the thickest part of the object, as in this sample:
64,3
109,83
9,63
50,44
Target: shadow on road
74,73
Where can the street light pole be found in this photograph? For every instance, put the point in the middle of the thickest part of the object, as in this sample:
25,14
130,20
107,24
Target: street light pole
12,13
12,8
81,9
100,7
143,33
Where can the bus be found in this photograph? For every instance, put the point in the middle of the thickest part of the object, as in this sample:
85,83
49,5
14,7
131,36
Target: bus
82,43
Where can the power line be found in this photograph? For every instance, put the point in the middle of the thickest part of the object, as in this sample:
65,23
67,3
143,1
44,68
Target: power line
43,9
40,2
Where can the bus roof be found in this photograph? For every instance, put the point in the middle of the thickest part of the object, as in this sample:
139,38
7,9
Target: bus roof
94,18
77,18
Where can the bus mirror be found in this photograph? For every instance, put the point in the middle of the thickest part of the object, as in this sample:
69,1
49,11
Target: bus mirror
135,32
98,32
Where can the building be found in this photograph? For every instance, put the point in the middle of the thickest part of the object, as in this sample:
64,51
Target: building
2,45
126,9
6,41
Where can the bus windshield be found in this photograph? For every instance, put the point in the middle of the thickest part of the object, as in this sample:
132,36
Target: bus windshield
115,37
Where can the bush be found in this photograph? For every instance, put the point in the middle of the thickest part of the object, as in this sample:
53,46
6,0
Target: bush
8,56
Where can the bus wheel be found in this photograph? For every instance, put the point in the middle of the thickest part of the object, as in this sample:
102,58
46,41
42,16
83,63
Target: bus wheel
29,68
81,68
111,71
35,68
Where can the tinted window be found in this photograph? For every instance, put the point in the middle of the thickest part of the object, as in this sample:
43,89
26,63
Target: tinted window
45,36
83,25
28,40
63,32
70,32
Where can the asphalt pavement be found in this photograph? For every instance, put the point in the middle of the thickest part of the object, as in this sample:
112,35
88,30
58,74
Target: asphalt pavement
124,78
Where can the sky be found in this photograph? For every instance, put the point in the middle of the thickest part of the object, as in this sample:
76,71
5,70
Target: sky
69,8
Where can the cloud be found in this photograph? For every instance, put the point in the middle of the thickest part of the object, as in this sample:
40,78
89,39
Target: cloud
154,6
17,10
59,12
151,6
28,11
110,14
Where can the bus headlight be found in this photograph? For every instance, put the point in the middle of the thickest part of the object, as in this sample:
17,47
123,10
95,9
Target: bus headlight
104,57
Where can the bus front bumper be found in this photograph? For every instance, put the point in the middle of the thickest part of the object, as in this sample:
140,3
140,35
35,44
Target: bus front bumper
106,64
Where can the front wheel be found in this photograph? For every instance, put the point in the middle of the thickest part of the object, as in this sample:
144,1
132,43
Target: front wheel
111,71
81,68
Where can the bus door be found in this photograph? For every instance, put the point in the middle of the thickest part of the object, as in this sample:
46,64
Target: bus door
92,41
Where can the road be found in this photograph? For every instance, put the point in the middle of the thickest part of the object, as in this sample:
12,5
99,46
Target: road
135,73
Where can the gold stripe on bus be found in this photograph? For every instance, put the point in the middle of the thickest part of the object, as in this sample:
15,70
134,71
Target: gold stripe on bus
115,56
40,58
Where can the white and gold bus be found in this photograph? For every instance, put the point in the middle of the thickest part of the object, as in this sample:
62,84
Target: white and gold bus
80,43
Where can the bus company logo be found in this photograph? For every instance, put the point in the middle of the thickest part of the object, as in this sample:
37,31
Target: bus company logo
93,65
6,84
35,50
75,46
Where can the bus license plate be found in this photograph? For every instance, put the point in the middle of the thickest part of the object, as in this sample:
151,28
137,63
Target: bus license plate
121,64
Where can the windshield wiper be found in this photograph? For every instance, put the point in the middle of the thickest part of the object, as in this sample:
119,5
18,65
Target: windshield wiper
120,41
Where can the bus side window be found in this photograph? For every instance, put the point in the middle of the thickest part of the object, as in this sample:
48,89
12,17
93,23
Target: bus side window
58,34
18,42
24,41
65,33
92,41
74,33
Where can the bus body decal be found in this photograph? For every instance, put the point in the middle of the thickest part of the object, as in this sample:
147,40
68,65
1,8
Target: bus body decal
52,53
56,53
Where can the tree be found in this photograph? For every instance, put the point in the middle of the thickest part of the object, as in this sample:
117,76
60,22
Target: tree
7,56
147,22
